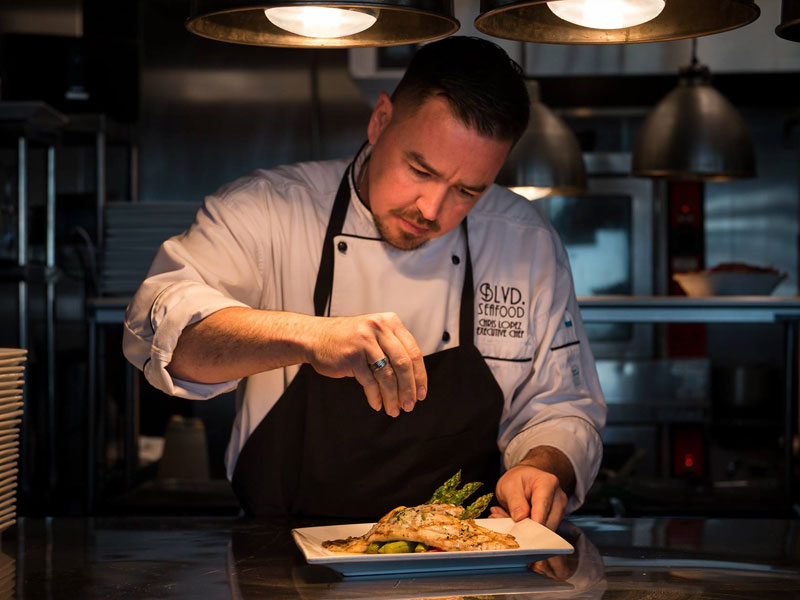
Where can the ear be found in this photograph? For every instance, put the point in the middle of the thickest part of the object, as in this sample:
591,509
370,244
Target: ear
380,118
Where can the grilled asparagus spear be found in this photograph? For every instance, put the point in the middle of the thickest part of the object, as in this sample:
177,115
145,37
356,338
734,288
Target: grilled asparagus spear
445,489
448,493
476,508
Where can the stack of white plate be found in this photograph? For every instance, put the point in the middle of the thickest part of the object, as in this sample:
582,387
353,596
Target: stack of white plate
12,380
8,576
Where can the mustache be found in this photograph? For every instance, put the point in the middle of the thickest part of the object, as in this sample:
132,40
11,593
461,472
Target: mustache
415,216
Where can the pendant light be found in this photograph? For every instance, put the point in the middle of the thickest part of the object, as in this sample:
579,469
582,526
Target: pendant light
547,160
322,24
606,14
694,133
611,21
789,29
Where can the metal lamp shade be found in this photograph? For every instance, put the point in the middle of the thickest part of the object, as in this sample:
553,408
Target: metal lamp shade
694,133
398,22
789,29
547,155
533,21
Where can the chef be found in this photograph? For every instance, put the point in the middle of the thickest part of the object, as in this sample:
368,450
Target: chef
388,319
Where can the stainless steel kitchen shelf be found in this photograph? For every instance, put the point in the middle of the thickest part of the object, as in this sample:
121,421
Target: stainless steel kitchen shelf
615,309
107,310
680,309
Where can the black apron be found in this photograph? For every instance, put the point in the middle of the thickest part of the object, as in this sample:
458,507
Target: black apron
321,451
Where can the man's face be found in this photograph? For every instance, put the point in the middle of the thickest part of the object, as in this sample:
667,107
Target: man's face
426,172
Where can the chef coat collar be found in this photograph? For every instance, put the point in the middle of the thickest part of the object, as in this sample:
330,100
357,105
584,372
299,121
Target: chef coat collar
360,220
365,224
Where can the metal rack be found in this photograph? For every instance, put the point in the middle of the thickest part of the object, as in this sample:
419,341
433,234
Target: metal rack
23,124
717,309
132,234
101,132
98,130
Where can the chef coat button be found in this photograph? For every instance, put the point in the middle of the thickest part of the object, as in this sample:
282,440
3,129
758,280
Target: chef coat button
456,260
342,246
446,336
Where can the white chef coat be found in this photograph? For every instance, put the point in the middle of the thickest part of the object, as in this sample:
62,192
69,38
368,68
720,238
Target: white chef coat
257,243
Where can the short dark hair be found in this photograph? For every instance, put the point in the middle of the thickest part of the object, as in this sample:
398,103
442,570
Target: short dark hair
484,86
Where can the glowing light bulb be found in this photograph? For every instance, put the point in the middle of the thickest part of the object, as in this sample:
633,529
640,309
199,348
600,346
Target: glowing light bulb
607,14
321,21
531,192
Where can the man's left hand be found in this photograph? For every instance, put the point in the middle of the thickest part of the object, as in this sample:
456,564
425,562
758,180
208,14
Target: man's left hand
530,492
533,488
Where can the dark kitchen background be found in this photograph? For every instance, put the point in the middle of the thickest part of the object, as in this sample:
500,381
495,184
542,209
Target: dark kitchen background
146,118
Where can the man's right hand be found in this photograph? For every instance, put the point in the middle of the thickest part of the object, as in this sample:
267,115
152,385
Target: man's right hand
347,346
238,342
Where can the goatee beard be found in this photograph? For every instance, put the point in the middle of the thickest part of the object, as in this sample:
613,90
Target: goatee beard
402,240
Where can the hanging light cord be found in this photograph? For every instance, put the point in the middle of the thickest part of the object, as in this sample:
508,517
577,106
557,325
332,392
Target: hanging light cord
696,72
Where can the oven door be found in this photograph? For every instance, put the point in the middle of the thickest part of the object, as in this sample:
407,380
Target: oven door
611,236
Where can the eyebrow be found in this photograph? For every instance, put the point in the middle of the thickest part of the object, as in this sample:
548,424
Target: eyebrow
417,157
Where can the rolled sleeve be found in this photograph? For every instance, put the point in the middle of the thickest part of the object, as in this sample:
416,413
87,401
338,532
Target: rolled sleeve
150,340
216,264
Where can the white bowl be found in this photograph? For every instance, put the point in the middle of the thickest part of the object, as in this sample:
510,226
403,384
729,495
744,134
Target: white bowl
728,283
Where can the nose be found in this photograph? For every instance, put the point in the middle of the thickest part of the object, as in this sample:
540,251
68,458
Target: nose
430,202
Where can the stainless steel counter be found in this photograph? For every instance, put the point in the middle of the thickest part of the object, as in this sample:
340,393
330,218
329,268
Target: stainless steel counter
226,558
681,309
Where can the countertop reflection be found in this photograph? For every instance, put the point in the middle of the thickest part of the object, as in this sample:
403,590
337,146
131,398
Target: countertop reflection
195,557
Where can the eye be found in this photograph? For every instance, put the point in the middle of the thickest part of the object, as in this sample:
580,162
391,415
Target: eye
418,173
466,193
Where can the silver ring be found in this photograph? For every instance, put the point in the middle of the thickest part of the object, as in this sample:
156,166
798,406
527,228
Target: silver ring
379,364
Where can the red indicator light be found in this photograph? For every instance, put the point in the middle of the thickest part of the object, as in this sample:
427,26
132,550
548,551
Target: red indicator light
685,209
688,460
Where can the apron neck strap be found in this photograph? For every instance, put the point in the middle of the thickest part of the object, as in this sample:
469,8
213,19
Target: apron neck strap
324,284
466,320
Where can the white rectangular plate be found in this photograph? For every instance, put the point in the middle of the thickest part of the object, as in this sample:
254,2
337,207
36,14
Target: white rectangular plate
11,362
535,543
451,585
7,407
8,477
6,524
9,460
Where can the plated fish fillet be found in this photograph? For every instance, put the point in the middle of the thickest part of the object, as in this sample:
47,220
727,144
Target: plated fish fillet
436,525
